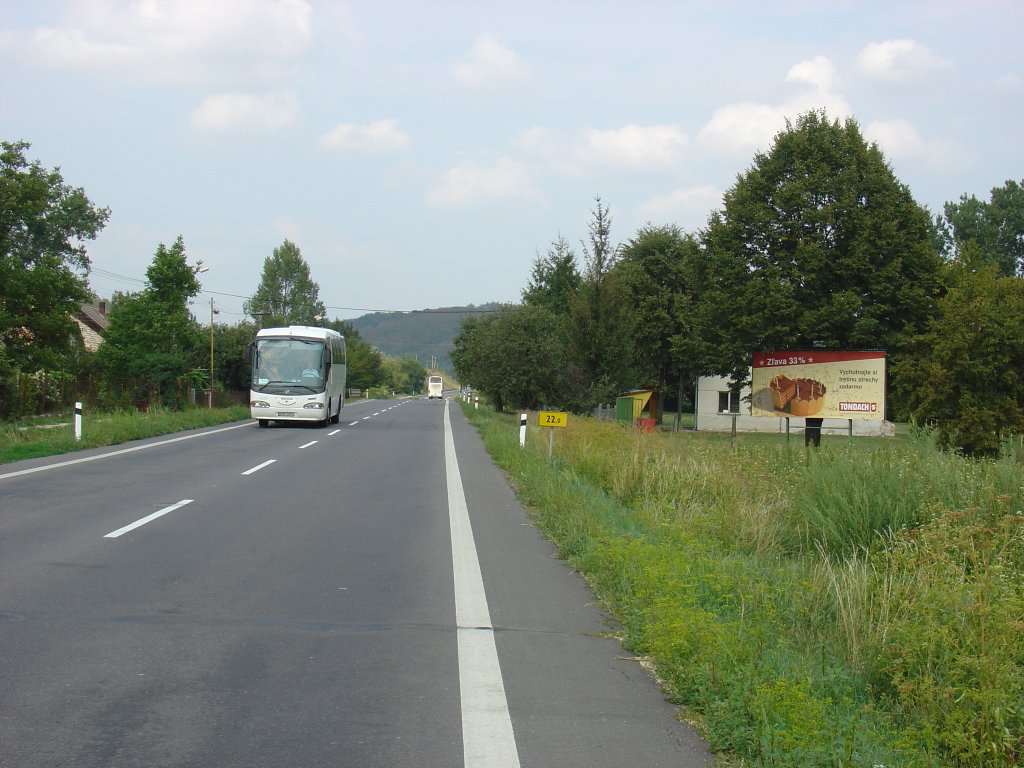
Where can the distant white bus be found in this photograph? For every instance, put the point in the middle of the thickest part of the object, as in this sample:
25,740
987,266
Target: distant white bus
434,387
298,374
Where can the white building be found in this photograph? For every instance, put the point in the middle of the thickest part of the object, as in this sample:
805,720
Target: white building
716,406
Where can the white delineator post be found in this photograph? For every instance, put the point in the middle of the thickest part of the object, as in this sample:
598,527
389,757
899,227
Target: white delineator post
78,421
522,430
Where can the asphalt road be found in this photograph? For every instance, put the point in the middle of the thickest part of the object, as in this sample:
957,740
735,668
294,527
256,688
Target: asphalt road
366,595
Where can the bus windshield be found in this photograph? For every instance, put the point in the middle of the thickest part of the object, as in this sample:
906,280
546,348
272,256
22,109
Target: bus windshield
289,363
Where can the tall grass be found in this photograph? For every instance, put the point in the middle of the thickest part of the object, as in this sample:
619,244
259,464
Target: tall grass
856,605
37,438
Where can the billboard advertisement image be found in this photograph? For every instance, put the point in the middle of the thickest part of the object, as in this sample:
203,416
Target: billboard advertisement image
820,384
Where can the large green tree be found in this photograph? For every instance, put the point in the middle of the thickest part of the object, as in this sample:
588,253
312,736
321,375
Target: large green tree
517,356
601,318
153,344
44,224
232,365
996,227
286,295
819,244
473,356
403,374
662,268
966,376
555,279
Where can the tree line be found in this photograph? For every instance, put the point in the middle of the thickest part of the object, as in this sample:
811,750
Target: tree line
816,245
154,350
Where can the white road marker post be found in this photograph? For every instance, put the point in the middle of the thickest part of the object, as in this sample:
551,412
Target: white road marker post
78,421
522,430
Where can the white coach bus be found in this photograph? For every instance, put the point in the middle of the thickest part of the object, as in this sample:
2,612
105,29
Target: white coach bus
435,387
298,374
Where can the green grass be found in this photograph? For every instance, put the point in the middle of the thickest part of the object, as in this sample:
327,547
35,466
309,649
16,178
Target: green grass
861,604
51,436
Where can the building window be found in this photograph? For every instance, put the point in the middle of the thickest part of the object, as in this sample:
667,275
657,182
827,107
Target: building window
728,402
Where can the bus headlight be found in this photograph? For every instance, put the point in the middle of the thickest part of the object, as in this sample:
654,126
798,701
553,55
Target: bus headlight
259,404
314,405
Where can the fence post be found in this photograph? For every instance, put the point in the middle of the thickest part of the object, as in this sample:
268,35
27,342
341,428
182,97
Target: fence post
78,421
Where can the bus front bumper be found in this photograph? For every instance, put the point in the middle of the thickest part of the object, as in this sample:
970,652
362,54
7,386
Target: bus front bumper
286,409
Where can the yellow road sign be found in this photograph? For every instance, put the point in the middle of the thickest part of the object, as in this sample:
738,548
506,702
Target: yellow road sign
552,419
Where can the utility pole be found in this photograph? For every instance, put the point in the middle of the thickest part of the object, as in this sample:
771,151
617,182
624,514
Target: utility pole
212,313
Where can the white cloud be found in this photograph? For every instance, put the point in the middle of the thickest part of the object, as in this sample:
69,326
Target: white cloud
1010,83
900,140
379,136
900,61
819,72
244,111
534,140
687,207
289,229
897,138
72,48
743,126
545,149
747,126
471,184
175,37
487,61
635,146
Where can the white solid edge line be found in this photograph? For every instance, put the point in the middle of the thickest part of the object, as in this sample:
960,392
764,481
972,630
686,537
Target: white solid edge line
488,740
70,462
147,519
258,467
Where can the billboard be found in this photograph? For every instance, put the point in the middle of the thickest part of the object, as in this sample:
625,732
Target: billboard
820,384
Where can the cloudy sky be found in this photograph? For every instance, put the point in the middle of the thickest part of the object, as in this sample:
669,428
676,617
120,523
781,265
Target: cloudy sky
423,154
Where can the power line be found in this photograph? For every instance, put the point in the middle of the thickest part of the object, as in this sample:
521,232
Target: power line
450,311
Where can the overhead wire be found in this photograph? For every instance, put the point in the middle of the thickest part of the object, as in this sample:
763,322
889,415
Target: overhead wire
450,311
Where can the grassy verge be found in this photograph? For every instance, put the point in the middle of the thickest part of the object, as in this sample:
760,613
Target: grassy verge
859,605
49,437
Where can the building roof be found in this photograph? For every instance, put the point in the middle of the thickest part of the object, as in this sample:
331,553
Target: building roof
92,321
94,316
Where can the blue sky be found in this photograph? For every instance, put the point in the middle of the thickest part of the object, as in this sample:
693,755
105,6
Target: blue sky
423,154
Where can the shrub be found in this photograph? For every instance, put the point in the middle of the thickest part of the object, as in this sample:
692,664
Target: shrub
952,658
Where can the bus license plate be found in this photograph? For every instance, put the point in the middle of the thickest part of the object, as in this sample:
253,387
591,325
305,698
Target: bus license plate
285,413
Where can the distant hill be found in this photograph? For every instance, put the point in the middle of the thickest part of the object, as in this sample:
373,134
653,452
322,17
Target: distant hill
423,335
